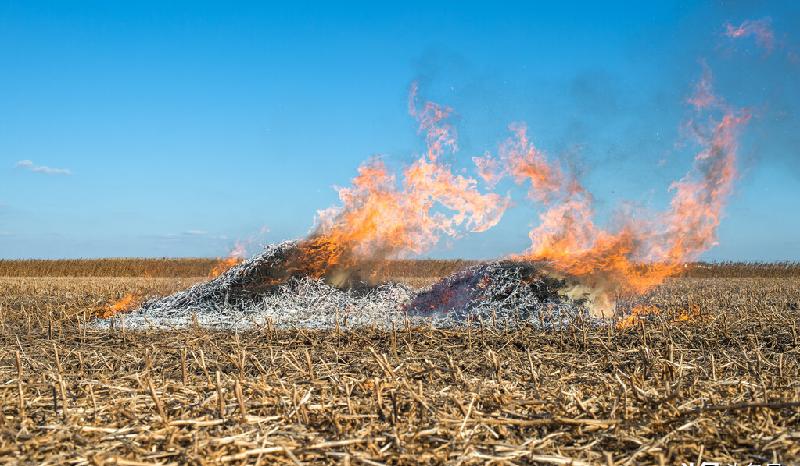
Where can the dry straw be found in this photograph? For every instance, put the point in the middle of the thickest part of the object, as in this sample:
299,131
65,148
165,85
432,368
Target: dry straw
724,386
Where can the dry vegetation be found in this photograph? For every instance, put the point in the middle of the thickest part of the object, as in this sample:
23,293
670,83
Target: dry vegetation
723,386
408,270
107,267
413,269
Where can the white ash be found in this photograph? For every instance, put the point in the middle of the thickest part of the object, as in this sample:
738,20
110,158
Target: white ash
301,302
501,293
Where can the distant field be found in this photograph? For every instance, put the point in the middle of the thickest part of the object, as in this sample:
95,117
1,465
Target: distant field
190,267
197,267
394,269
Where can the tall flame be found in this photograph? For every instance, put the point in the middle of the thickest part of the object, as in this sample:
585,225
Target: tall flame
377,218
639,254
381,216
524,162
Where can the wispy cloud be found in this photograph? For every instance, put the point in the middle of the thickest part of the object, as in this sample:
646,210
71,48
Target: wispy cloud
187,234
5,233
29,165
203,234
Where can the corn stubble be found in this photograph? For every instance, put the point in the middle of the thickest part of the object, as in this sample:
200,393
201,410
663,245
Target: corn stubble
722,385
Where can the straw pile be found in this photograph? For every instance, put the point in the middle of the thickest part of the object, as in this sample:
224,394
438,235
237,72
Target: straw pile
268,288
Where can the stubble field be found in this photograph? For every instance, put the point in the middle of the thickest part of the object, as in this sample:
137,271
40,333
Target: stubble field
720,383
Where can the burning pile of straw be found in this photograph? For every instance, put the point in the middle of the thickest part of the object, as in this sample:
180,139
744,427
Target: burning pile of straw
270,289
318,280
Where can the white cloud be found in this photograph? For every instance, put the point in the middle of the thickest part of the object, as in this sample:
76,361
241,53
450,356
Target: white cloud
29,165
202,234
169,236
5,233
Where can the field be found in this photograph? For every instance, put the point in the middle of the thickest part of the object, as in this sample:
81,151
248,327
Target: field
719,383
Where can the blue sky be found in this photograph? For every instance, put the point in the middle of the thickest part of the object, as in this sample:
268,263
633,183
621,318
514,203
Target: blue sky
185,126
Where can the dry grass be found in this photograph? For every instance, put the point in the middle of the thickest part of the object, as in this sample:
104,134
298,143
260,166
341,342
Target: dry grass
743,270
411,271
724,386
172,268
424,269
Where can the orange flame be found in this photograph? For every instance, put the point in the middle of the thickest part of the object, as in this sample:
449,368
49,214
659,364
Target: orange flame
123,304
489,169
635,316
639,313
381,216
687,315
524,162
640,253
703,96
432,118
380,219
236,256
761,29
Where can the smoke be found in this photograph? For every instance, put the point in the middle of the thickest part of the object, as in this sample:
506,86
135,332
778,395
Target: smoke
769,84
